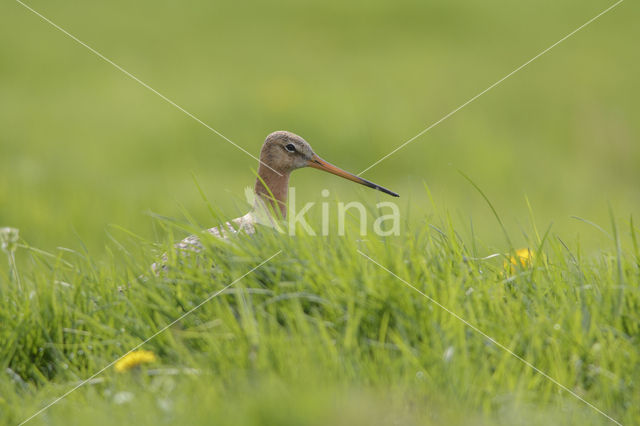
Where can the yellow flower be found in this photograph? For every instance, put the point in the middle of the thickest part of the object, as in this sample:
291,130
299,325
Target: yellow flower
524,255
134,359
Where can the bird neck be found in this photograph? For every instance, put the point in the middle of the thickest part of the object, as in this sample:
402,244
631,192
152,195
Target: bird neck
274,194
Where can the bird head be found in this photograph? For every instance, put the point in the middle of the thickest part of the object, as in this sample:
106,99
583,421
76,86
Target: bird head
285,152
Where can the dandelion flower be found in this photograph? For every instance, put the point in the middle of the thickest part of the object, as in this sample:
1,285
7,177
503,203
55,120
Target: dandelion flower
134,359
524,255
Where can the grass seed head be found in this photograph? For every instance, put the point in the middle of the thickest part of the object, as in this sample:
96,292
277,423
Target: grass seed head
9,239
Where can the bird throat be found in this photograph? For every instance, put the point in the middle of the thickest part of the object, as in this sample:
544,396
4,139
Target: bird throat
274,194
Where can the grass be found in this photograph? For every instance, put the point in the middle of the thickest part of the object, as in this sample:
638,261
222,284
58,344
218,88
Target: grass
319,334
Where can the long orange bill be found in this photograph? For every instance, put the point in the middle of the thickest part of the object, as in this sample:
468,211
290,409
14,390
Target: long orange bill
318,163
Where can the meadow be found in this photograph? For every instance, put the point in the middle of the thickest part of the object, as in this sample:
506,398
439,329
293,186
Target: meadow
101,176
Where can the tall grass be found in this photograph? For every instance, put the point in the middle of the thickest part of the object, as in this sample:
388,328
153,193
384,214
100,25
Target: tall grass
320,334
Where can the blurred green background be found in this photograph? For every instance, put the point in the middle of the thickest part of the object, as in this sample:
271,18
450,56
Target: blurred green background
83,146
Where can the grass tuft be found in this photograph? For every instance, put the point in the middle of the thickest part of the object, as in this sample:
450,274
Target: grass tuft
320,329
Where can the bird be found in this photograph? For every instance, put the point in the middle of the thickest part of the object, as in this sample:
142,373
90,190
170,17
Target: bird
282,152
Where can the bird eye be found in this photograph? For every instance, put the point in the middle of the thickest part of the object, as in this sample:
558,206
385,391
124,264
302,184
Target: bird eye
290,147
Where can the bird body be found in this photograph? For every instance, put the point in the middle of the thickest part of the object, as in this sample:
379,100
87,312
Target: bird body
244,223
